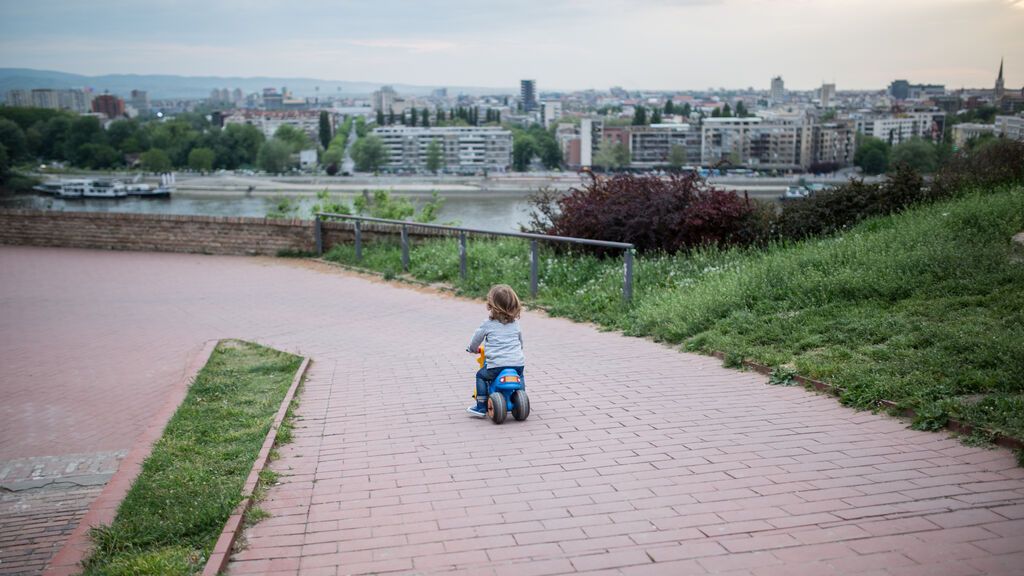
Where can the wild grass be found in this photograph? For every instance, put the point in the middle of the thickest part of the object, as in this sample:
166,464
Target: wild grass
192,480
924,308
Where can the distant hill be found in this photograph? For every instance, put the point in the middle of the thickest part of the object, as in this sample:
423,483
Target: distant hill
168,86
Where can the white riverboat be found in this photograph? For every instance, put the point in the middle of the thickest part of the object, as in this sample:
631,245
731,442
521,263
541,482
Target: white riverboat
90,188
94,188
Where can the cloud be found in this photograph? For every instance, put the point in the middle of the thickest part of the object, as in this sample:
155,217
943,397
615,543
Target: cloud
413,46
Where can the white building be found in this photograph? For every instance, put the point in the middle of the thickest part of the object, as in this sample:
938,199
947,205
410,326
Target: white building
307,159
898,128
384,99
19,98
268,121
827,95
968,131
1011,127
467,149
778,92
551,112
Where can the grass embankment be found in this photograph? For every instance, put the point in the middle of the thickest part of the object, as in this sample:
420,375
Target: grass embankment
924,308
192,481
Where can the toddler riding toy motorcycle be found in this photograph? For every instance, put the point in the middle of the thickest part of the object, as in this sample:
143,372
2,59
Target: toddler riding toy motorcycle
507,392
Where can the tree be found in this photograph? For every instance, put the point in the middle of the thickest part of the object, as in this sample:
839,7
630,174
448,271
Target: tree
201,159
716,113
122,135
296,138
435,156
670,107
325,129
238,145
4,163
83,130
425,118
414,117
741,109
155,160
13,139
687,110
275,155
391,116
380,117
333,156
656,116
916,153
677,156
726,111
523,151
640,116
97,156
872,155
612,157
54,138
369,154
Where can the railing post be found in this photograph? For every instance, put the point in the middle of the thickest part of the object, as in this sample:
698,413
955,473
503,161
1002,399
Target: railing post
319,235
462,254
533,268
359,242
627,286
405,248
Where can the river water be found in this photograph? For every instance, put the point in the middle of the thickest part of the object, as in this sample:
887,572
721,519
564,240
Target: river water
499,213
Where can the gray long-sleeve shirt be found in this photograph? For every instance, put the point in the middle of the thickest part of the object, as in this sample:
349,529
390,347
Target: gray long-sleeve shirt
503,343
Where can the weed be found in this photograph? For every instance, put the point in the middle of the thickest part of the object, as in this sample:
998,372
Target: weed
782,376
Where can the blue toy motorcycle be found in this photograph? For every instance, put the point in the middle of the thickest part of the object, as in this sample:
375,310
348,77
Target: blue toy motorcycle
506,393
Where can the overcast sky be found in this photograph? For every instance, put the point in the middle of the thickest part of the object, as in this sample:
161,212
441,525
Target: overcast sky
563,44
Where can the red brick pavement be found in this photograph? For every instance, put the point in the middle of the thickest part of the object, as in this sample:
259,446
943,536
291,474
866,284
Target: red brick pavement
637,459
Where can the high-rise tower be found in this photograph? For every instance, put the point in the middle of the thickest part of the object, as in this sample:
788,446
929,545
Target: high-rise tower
528,93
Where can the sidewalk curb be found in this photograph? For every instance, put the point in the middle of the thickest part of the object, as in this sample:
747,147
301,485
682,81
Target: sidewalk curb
952,425
221,553
103,509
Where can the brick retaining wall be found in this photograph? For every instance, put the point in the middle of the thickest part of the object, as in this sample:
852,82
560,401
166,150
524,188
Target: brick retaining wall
173,233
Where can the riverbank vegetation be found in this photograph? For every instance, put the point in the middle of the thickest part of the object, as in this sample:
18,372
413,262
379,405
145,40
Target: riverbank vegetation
171,518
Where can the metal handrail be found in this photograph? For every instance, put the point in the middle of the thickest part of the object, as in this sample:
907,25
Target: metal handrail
629,249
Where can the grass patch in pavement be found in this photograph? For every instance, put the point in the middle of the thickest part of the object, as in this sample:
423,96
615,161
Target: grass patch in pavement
171,518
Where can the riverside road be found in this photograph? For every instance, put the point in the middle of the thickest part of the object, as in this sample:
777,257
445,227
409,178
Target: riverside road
637,458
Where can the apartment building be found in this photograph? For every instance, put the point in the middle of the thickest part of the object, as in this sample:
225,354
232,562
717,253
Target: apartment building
832,143
1011,127
966,131
268,121
897,128
466,149
652,145
777,143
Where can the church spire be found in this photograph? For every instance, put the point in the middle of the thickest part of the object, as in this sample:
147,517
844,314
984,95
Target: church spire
999,83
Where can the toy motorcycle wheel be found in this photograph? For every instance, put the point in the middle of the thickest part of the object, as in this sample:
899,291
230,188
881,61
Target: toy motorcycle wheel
496,409
521,408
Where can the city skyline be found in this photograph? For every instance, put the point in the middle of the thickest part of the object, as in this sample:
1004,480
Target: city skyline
566,45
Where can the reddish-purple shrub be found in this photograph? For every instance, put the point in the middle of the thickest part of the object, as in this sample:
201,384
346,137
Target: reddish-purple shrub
654,213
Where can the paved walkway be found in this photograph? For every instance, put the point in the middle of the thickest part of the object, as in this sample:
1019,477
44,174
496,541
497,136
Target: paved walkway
637,459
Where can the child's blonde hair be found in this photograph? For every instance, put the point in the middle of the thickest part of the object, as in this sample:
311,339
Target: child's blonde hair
503,303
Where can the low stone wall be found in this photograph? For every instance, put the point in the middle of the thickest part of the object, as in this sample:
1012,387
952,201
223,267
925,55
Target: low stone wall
172,233
155,232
